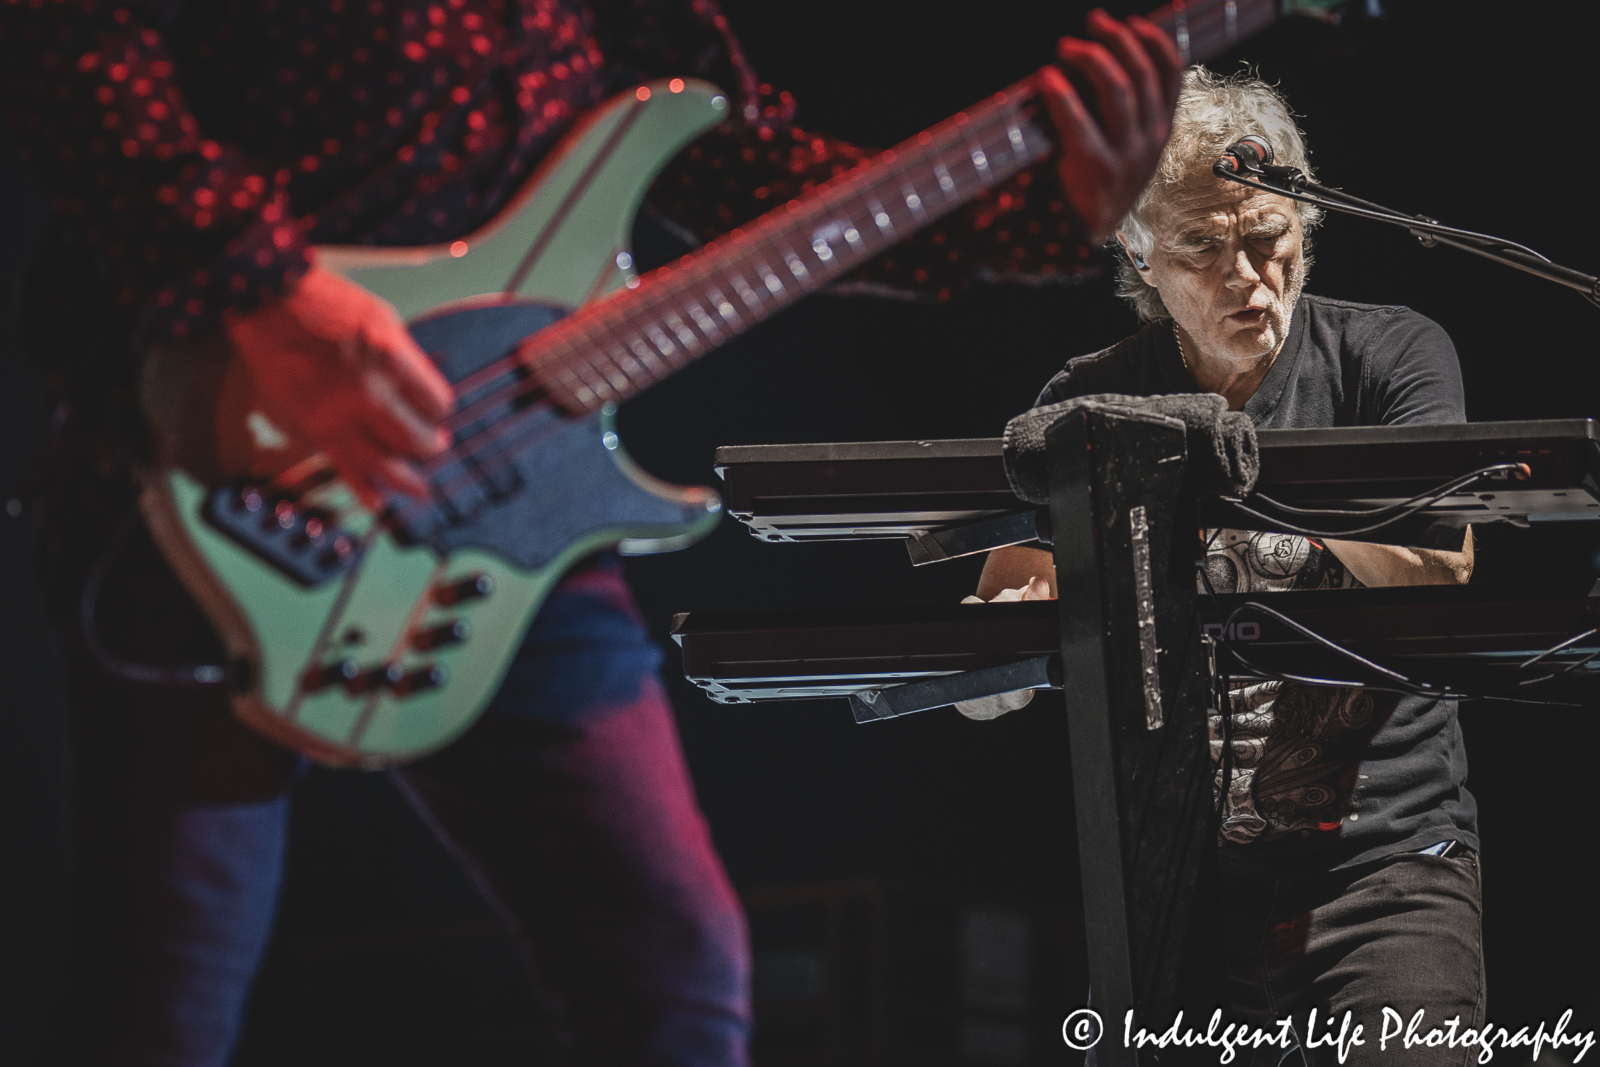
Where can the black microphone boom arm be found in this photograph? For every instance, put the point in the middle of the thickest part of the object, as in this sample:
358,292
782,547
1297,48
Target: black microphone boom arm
1246,164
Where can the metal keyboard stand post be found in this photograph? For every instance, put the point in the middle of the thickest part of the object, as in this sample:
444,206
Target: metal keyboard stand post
1138,693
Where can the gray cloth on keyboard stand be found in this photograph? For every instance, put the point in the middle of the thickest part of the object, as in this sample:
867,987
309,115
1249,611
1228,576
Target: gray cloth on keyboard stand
1223,456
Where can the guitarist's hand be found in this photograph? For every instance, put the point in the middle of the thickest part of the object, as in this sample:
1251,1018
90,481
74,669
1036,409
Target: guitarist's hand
332,363
1135,72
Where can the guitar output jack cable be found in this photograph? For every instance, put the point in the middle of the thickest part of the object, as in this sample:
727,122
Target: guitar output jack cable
176,675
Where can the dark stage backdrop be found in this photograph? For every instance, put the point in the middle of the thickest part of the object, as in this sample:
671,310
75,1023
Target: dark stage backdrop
944,846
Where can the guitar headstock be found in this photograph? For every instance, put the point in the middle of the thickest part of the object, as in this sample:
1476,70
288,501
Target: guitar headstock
1203,29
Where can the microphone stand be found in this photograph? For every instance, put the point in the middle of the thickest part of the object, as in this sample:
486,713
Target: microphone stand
1292,183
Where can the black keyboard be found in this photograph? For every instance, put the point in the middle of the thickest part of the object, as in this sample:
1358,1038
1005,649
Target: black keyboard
935,492
1465,636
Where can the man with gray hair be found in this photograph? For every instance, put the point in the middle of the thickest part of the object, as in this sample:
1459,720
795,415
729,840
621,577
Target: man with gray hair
1348,842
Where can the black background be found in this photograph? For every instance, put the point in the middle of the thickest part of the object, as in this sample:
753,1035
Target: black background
1476,113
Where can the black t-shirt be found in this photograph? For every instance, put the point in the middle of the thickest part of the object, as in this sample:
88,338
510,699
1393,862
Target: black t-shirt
1322,777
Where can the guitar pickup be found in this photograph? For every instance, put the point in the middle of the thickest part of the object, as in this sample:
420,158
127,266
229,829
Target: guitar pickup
304,545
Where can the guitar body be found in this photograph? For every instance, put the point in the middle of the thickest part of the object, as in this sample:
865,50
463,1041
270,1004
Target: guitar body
392,646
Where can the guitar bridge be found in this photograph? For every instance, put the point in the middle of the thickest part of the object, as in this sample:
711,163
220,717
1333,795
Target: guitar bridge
303,544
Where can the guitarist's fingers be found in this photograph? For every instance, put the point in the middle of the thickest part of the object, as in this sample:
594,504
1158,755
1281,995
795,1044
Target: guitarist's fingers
1114,91
1079,133
399,474
392,421
1135,63
1164,54
368,469
414,374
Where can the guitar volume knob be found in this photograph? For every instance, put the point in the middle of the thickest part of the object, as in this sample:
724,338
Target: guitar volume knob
450,633
431,677
339,672
386,674
473,587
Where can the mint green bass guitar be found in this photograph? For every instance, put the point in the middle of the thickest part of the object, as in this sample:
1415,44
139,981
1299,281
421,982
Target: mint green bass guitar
366,639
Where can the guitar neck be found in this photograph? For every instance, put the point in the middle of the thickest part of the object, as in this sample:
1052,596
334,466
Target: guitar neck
1205,28
622,344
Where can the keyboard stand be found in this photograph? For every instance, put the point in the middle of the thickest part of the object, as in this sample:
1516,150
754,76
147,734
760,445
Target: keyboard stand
1139,693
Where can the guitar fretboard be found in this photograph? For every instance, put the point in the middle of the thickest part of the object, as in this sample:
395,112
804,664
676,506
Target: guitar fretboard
624,343
1206,28
613,348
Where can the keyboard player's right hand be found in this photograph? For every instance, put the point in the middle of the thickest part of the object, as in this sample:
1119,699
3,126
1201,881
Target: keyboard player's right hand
995,706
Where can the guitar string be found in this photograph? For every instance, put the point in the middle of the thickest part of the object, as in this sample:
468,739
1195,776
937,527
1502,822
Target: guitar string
1204,21
666,297
508,440
554,361
667,294
488,463
945,137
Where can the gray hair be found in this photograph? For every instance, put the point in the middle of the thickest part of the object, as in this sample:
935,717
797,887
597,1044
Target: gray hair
1213,112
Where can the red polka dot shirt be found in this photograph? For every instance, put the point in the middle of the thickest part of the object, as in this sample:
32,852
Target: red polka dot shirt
194,152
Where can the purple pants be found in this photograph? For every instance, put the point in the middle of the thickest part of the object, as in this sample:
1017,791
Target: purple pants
569,801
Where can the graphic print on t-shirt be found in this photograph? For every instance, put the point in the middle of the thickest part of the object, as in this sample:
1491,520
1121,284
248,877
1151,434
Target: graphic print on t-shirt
1296,749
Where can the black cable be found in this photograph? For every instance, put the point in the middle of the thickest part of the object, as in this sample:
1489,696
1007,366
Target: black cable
1216,607
1525,664
1430,495
180,675
1403,510
1398,683
1568,669
1525,700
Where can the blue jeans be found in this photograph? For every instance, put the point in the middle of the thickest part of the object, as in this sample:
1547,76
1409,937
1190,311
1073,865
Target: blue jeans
570,801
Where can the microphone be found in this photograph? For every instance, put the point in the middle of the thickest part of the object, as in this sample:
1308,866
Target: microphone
1249,162
1247,155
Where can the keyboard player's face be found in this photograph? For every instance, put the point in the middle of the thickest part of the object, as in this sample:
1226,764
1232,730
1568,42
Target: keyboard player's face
1228,262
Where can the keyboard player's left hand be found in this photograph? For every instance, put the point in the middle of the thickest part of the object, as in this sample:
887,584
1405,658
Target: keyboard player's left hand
995,706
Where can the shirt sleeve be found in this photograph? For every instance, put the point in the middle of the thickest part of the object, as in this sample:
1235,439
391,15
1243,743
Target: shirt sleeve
187,226
1415,375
